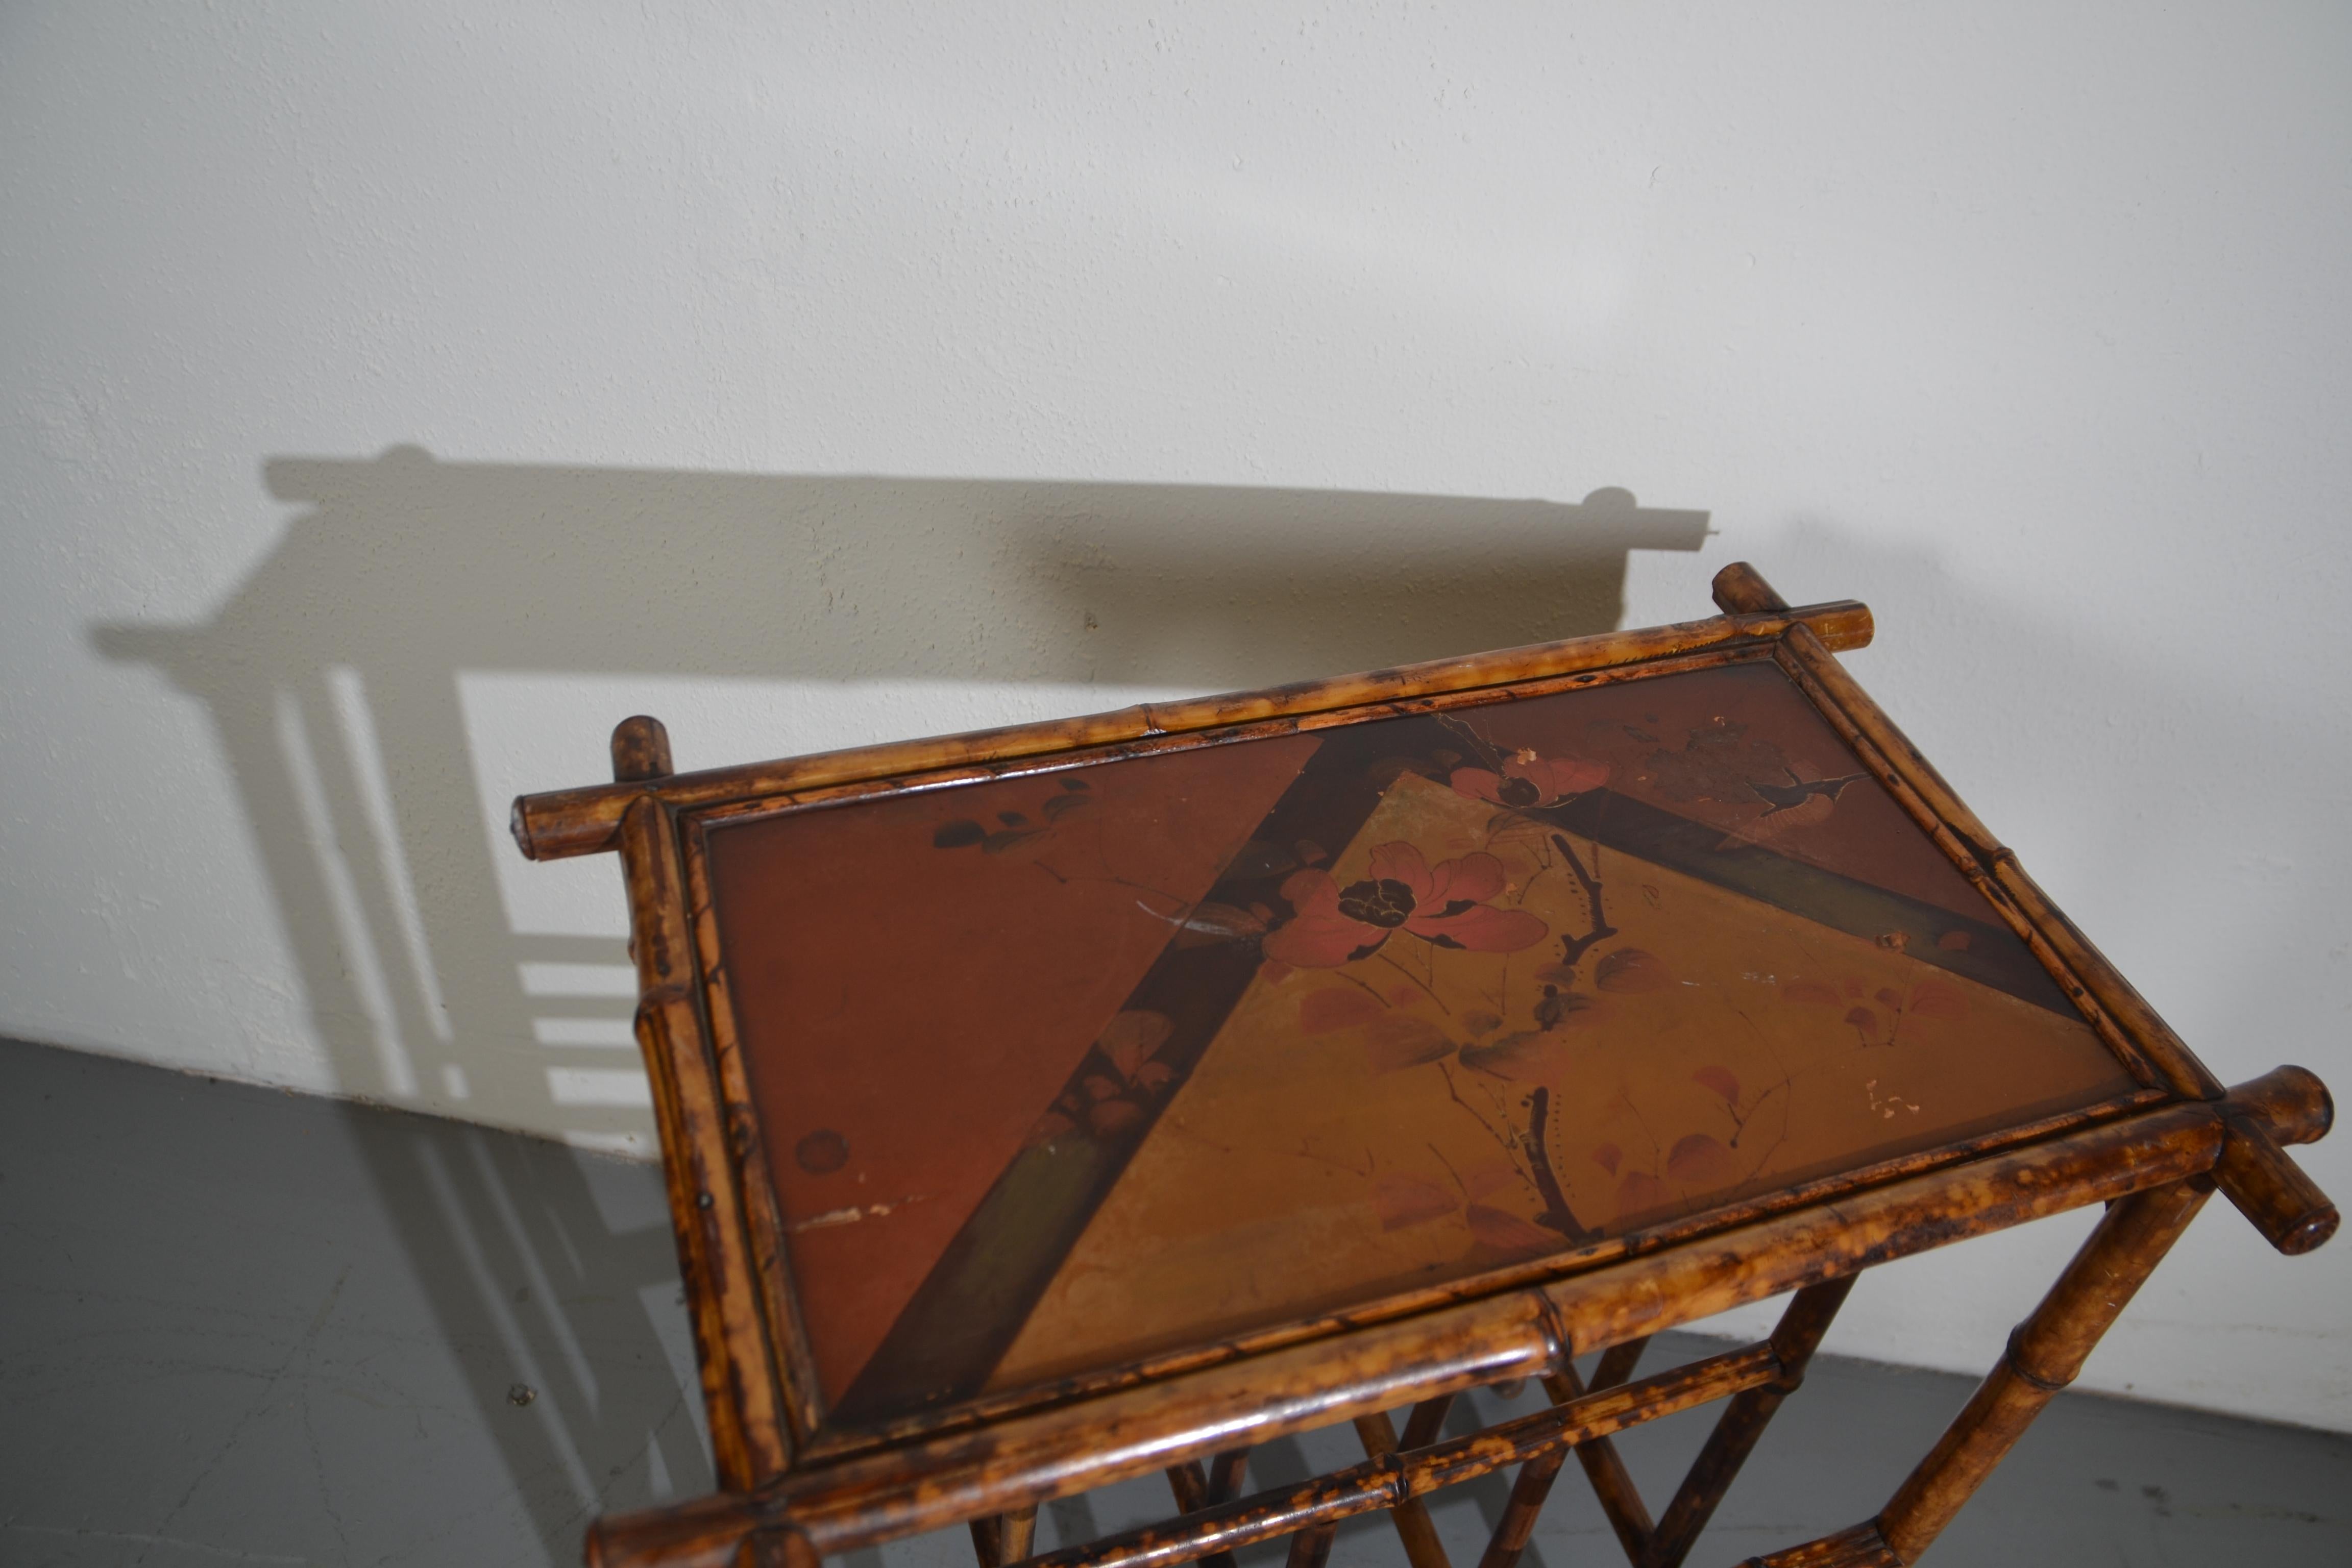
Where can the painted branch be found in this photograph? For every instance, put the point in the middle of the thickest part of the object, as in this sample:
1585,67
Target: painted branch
2044,1354
640,750
1740,589
1794,1340
2077,966
560,823
871,1498
2269,1188
1414,1528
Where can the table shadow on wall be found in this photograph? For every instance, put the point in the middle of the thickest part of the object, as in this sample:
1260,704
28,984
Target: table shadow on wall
331,675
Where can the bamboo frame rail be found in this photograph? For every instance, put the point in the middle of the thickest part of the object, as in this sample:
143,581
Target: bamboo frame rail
564,823
796,1489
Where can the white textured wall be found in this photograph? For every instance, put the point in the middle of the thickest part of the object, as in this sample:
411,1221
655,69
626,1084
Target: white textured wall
394,395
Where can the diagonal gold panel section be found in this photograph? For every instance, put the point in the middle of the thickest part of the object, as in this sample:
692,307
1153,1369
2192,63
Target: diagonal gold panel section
1425,1113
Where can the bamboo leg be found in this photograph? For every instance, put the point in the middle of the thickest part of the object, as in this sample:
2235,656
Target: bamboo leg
987,1541
1618,1362
1194,1490
1414,1525
1428,1419
1518,1521
775,1548
1604,1468
1312,1548
1189,1483
1628,1515
1019,1532
1225,1472
2044,1354
1794,1340
1858,1547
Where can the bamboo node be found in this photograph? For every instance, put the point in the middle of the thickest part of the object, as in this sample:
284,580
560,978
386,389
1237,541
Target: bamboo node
2026,1374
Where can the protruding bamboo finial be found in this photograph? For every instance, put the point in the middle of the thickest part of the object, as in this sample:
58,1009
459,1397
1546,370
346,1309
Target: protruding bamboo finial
640,750
1740,589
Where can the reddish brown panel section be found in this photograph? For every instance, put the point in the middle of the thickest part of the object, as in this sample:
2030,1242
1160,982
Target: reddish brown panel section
915,979
1737,748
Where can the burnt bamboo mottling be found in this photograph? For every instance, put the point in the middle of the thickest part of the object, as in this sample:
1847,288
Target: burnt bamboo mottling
1194,1490
1794,1340
797,1486
1414,1528
2044,1354
1619,1499
1628,1515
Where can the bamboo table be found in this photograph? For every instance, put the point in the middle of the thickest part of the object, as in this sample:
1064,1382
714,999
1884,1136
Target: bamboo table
1052,1105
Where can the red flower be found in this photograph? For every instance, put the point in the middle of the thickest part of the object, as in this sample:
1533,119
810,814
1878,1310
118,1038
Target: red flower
1528,780
1445,907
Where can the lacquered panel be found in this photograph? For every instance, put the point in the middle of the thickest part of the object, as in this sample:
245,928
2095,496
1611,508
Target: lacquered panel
1061,1070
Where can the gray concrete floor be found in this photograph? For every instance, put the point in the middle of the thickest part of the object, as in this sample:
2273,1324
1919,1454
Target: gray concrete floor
238,1326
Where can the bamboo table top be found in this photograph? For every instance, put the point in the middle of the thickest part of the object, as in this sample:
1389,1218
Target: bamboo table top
1060,1071
1046,1106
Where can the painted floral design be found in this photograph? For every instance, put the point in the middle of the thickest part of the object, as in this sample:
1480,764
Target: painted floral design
1445,905
1523,780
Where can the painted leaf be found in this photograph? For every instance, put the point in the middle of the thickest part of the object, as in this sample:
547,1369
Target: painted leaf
1935,999
1719,1081
1113,1115
1508,1234
1699,1161
1639,1191
1131,1037
1811,991
1259,858
1529,1057
1632,970
1048,1127
1400,1201
1405,1040
1337,1008
960,833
